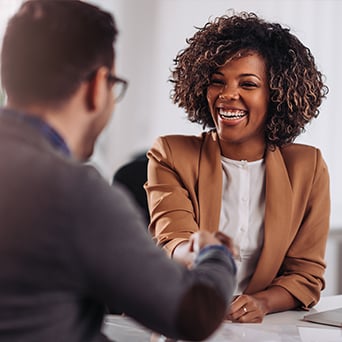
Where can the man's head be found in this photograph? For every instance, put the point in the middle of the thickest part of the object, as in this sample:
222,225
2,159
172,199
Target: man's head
51,47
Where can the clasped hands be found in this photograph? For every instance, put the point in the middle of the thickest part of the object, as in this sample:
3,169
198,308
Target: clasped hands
202,239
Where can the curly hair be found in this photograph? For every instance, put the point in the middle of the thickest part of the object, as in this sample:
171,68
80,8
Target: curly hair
296,85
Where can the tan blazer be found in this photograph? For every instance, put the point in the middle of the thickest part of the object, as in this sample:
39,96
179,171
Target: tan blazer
184,191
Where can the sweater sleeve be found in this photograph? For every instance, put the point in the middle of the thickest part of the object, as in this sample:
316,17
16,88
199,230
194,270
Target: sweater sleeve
124,270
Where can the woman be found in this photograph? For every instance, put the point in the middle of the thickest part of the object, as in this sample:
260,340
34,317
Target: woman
255,86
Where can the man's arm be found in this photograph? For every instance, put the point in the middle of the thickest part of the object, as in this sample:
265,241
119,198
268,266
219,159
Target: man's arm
126,271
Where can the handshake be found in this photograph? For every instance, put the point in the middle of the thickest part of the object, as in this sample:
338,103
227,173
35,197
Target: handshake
186,252
203,239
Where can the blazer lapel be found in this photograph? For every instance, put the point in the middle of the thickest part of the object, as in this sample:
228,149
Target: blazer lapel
210,183
278,212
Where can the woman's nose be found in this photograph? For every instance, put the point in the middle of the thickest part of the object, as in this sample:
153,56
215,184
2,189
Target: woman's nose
229,93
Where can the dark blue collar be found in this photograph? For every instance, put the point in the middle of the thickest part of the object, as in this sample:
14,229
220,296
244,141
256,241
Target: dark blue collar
50,133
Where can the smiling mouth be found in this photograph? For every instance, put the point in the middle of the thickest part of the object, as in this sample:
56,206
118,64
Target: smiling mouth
231,114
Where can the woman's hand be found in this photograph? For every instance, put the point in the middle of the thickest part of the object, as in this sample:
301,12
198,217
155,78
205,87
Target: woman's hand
253,308
202,239
226,241
246,309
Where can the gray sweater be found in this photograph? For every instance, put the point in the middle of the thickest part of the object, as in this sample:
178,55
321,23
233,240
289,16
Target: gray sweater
73,248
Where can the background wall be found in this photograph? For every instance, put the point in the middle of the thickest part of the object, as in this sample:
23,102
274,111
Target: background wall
151,34
153,31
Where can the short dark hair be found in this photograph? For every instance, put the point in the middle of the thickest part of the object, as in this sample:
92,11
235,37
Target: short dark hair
50,47
296,85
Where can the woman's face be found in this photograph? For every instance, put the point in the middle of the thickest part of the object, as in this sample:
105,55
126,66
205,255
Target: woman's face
238,98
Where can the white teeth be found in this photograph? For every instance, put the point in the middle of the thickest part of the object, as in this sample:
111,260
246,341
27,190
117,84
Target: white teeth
236,114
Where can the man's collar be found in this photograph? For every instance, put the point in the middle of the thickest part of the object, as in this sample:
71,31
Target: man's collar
49,132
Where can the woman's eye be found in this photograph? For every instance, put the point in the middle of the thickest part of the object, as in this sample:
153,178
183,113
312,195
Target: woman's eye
248,84
216,81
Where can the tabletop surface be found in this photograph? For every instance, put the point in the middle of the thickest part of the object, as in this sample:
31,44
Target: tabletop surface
286,326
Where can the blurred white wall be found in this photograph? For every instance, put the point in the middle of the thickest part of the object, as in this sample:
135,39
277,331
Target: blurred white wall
151,34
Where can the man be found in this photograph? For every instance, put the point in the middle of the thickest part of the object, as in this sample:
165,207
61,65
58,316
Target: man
71,246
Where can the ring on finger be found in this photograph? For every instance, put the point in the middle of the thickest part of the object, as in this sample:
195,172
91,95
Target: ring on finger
244,309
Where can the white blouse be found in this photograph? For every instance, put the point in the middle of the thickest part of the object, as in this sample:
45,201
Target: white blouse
242,213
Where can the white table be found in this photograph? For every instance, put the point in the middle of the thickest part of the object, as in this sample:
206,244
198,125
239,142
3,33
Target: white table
280,327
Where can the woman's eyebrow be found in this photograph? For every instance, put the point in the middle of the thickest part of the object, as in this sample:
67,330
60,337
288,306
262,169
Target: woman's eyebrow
251,74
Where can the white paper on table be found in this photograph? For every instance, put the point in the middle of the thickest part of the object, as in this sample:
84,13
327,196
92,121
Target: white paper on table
256,332
310,334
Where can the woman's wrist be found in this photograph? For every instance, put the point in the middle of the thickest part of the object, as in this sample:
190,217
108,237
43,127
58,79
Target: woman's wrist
275,299
182,254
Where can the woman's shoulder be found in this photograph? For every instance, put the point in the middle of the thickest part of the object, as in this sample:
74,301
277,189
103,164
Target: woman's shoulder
183,143
301,154
299,150
183,152
183,138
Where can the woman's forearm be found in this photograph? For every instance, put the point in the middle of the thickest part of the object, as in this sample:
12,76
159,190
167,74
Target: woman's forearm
276,299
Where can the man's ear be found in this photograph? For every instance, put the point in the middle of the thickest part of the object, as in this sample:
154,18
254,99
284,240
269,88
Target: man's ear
97,90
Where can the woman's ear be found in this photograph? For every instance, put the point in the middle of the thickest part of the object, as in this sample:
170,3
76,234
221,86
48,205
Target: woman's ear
97,90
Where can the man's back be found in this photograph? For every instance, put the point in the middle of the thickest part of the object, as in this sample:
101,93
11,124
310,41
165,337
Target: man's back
67,252
42,284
